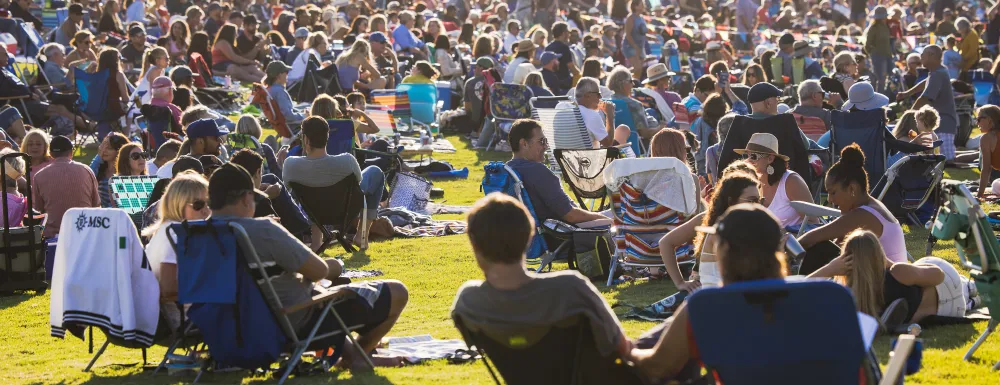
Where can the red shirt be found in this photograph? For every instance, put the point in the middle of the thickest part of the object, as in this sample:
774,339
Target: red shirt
60,186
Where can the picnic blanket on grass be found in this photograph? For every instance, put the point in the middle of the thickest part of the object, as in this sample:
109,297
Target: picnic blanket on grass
440,145
421,348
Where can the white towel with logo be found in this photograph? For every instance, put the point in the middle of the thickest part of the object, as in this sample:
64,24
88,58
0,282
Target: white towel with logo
101,278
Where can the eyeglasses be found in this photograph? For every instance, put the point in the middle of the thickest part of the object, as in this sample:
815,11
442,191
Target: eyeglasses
754,156
198,205
138,155
544,141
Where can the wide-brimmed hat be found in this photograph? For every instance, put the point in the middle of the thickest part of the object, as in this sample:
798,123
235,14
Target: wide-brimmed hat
863,97
802,48
525,45
880,13
762,143
657,72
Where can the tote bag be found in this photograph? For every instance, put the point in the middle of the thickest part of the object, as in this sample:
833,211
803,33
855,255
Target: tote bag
412,192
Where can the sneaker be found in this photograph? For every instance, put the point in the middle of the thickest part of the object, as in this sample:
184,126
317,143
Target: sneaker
973,290
894,316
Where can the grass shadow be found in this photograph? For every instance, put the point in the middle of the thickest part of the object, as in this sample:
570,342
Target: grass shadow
8,300
243,376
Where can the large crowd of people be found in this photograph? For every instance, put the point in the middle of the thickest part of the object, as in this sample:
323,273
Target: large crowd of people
678,76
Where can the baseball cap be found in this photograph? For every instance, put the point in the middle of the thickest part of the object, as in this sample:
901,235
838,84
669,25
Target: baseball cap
548,56
230,180
377,37
136,31
162,82
187,162
181,72
204,128
277,67
736,224
76,9
762,91
786,39
250,19
301,32
484,62
60,144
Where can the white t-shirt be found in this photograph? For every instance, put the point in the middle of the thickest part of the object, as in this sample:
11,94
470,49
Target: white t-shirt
594,120
151,167
298,70
159,250
166,171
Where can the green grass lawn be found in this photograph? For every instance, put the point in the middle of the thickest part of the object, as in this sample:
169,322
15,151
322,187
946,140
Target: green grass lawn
433,269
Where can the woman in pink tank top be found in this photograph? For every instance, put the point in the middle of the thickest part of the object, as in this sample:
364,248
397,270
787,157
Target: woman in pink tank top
847,188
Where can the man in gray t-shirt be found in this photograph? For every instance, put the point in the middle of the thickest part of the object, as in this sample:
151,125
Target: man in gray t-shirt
938,93
375,305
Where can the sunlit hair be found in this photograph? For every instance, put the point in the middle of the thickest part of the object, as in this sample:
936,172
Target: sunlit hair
123,165
38,134
866,277
668,143
360,52
248,125
727,193
183,190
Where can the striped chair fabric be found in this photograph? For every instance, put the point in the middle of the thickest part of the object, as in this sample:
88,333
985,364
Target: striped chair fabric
641,223
563,127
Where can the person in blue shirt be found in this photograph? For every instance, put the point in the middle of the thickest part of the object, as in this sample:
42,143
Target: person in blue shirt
952,60
550,62
276,79
405,40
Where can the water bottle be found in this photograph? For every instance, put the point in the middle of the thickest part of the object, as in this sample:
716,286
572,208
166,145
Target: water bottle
229,81
395,140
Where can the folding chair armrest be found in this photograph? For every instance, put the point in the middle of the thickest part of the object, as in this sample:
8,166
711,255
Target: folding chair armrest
897,361
15,97
814,210
332,295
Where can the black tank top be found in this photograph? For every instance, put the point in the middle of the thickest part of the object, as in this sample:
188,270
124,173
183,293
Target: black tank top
893,290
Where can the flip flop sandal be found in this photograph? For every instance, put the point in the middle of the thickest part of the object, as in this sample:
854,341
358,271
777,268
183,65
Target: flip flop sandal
462,356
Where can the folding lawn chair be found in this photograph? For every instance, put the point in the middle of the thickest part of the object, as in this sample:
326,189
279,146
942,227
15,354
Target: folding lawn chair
382,117
131,193
159,120
341,136
908,184
563,127
867,129
624,117
23,266
240,316
812,126
775,342
508,102
336,206
965,107
649,197
583,171
125,291
784,128
501,178
423,102
682,117
269,108
397,102
984,86
961,218
562,353
93,101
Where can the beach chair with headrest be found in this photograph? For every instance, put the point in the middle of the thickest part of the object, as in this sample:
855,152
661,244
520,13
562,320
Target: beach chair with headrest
423,102
649,198
562,125
908,184
583,171
397,103
336,206
508,102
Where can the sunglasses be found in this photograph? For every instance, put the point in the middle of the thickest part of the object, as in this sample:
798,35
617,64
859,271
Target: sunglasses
198,205
138,155
754,156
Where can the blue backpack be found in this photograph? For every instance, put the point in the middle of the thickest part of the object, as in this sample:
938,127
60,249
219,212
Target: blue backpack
226,304
500,178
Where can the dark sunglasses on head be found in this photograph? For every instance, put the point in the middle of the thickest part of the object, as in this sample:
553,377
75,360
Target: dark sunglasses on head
198,205
138,155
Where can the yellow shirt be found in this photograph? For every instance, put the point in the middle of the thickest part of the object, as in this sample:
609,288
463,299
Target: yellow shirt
417,79
969,48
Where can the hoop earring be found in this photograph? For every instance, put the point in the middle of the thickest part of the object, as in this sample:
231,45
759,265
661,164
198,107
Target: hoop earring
770,170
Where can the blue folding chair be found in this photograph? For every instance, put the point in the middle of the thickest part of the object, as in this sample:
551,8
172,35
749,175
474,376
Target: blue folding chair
341,137
868,129
623,116
423,102
984,87
908,184
93,100
776,340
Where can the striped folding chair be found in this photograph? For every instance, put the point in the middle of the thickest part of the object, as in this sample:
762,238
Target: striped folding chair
508,102
812,126
649,198
397,102
383,119
562,126
682,117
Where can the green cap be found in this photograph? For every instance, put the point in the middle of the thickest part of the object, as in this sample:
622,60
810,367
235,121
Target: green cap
277,67
484,62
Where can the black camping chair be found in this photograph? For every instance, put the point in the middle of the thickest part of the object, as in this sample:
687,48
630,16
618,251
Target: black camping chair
583,171
562,353
23,249
321,209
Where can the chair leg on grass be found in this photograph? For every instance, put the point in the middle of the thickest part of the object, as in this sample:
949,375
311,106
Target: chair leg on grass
611,270
297,353
347,332
96,356
986,333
